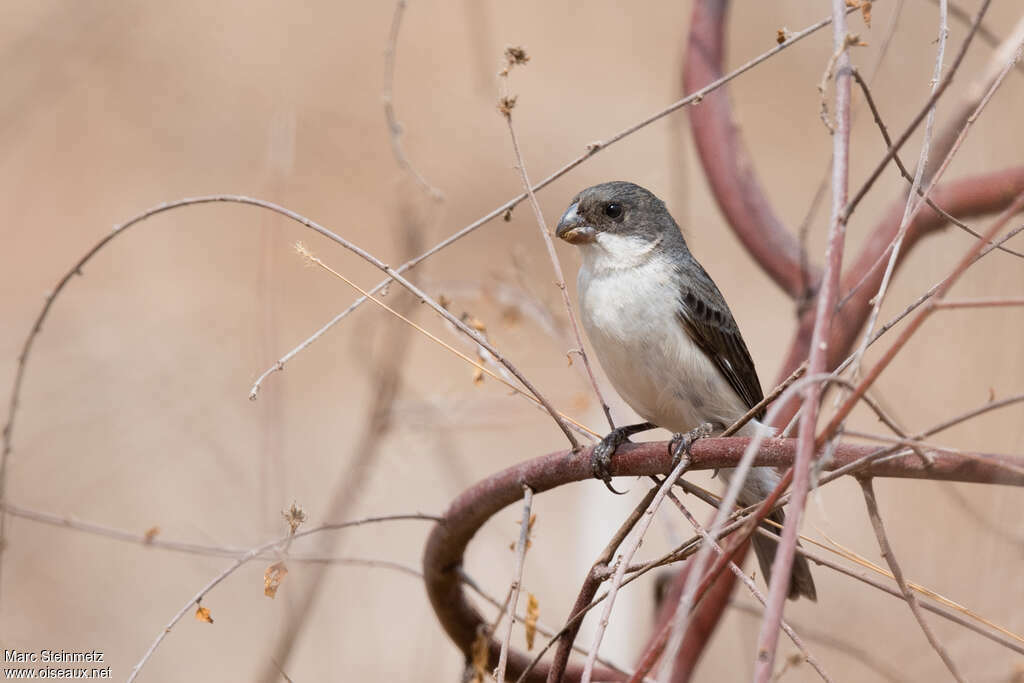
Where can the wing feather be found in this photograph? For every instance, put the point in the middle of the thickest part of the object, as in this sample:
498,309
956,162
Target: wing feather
708,321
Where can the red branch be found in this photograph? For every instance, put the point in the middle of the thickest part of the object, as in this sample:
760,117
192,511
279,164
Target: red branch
725,162
970,197
446,546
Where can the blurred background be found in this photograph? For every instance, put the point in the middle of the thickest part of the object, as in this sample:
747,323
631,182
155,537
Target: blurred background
135,415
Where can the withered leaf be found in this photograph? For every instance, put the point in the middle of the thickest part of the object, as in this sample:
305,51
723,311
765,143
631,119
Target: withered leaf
150,534
273,577
203,614
479,657
532,615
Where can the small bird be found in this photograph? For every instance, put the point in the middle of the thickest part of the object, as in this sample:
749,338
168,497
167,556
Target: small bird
665,337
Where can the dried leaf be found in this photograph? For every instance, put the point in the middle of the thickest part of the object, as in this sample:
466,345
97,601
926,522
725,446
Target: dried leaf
516,54
203,614
865,10
479,657
507,104
780,36
478,376
532,615
476,323
151,533
273,577
295,516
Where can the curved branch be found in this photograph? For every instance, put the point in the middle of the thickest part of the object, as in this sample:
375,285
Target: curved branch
978,195
725,162
443,555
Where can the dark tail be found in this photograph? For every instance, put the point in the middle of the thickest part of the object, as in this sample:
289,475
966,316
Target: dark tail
801,583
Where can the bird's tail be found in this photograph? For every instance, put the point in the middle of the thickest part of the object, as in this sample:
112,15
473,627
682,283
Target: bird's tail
760,482
801,583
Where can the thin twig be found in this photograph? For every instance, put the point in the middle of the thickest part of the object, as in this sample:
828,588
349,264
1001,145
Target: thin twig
993,302
305,253
365,449
751,586
934,609
591,150
928,306
624,558
696,574
559,276
897,573
766,401
517,581
909,130
906,175
252,554
913,203
394,126
599,572
544,630
824,637
817,363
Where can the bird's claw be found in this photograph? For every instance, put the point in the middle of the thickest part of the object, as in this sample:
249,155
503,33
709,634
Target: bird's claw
683,442
601,458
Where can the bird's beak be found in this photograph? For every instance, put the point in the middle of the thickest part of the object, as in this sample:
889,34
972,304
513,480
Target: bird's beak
573,229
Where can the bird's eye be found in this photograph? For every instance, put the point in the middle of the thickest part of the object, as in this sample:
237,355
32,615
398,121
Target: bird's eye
613,210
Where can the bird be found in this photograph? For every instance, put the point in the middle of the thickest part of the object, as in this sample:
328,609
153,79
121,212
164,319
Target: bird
668,343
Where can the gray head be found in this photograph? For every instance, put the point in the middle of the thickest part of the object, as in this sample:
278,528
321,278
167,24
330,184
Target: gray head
621,209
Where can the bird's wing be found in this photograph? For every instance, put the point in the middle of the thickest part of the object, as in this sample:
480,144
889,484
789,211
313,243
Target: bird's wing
709,323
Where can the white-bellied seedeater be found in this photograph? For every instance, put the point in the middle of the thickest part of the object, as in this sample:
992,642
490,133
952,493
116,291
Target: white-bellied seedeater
665,336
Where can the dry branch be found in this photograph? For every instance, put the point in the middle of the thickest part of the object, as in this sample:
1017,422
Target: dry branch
443,555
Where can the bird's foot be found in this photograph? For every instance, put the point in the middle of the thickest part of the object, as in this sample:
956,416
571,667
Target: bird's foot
601,456
682,442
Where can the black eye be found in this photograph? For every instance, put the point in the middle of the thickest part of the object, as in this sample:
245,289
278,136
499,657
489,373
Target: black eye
613,210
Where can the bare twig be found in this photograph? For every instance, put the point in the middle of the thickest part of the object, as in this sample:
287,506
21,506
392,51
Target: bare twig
936,94
908,595
913,204
546,631
824,637
592,149
928,307
434,338
517,581
394,126
559,276
818,359
252,554
599,572
906,174
993,302
365,451
624,558
751,586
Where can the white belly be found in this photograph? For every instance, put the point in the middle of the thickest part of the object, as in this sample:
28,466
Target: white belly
630,318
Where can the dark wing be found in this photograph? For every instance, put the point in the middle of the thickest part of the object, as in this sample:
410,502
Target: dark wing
709,323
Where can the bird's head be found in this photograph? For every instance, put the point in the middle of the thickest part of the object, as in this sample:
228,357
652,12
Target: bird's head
613,210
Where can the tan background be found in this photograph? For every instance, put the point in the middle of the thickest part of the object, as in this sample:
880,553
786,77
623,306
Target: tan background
134,413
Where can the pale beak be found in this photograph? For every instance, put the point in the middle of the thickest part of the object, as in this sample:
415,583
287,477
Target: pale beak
573,229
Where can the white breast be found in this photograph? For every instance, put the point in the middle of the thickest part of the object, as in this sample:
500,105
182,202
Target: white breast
629,300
